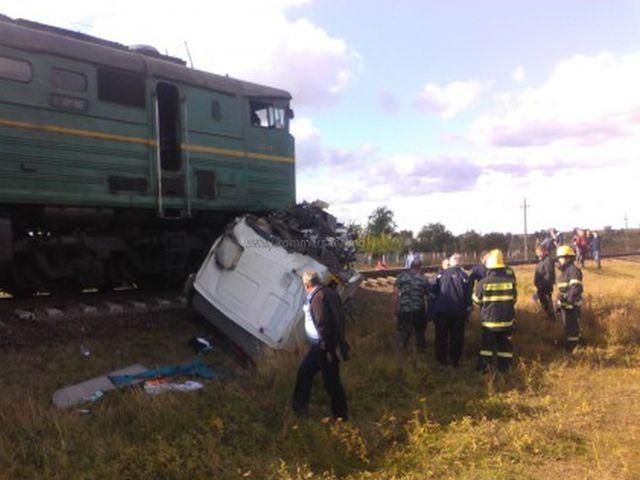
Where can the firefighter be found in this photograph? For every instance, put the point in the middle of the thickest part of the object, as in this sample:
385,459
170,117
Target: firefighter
496,295
544,279
569,295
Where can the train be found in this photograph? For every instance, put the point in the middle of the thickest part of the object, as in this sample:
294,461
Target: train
120,165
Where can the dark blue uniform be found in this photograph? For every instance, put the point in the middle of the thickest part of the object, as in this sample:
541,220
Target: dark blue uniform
478,272
451,310
544,278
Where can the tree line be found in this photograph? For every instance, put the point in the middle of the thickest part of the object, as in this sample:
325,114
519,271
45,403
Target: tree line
381,237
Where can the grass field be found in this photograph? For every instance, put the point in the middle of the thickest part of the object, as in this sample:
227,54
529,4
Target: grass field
574,417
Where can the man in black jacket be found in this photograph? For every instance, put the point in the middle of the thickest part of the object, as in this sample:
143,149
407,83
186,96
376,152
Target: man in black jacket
321,327
451,310
544,279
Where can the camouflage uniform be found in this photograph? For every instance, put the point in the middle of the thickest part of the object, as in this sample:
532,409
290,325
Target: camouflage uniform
412,288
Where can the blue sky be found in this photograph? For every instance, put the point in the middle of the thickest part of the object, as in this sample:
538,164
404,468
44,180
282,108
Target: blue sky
443,111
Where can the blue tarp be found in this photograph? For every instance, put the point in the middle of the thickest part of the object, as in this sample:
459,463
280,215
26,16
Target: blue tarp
196,368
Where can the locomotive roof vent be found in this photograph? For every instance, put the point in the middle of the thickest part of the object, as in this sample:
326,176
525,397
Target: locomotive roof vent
145,50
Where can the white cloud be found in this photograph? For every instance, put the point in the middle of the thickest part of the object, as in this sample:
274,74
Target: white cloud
450,99
519,75
249,39
587,100
304,130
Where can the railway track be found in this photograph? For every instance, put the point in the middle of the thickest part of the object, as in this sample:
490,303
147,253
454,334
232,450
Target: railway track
394,272
53,308
47,307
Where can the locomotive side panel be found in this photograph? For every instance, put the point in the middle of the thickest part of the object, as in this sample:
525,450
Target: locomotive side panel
114,165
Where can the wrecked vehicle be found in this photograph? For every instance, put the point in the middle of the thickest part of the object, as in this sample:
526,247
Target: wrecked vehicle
250,287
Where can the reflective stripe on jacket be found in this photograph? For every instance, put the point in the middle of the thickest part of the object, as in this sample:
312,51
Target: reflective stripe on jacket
496,295
570,286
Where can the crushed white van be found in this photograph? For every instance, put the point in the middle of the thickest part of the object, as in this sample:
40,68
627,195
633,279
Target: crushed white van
249,286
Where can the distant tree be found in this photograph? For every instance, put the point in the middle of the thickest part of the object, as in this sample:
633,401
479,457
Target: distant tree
469,241
378,245
381,222
406,239
435,237
496,240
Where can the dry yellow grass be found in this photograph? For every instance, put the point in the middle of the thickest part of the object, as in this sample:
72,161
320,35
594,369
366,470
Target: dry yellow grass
574,417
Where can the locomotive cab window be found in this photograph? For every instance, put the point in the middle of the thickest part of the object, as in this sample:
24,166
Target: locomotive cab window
267,115
13,69
68,80
121,87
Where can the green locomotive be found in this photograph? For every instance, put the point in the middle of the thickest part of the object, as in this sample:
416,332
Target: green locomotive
119,164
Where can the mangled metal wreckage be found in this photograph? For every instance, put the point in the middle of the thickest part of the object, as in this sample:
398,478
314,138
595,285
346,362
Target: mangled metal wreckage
250,286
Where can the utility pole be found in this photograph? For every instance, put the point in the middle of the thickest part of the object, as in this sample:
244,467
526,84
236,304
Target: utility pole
626,233
524,207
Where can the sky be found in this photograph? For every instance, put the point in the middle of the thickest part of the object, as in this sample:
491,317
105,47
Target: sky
450,112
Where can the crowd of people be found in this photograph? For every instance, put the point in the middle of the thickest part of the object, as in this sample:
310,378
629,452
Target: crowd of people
586,243
447,299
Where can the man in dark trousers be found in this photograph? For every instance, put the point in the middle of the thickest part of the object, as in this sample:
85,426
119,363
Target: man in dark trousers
321,328
569,295
410,301
450,311
544,278
496,295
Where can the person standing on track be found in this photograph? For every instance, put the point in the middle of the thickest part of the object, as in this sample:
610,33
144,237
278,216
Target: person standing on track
569,300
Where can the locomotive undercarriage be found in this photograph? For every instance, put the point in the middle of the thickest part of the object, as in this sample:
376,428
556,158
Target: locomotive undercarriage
46,249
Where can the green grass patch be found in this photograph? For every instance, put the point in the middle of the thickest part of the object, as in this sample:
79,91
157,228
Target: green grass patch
572,416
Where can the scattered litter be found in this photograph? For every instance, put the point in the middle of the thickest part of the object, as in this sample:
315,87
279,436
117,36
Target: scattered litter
154,387
85,351
197,368
84,411
201,344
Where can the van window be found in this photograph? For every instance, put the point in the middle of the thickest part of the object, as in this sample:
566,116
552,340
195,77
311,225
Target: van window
121,87
12,69
267,115
68,80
